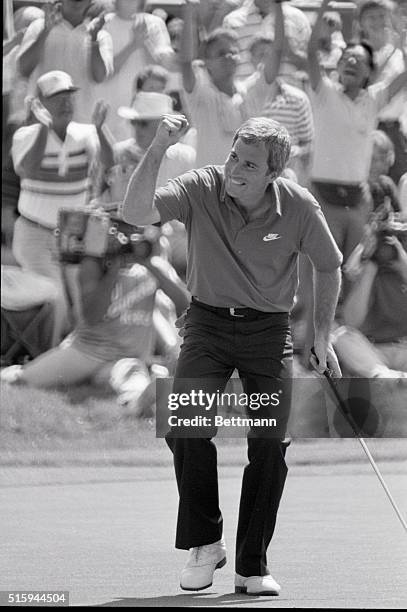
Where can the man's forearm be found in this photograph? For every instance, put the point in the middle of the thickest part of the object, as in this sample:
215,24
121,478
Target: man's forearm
326,292
31,161
97,65
188,44
137,207
357,303
122,56
31,56
106,140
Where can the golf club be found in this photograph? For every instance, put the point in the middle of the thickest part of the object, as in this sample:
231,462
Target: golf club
348,416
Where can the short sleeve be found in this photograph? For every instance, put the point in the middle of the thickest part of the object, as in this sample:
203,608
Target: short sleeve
106,51
316,240
175,199
31,34
379,93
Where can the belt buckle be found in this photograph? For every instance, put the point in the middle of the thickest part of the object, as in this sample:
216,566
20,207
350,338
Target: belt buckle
233,314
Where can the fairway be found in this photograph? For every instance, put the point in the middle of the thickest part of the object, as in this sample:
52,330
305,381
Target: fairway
107,537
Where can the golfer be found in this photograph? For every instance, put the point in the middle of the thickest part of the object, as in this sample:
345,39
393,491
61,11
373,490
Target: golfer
246,226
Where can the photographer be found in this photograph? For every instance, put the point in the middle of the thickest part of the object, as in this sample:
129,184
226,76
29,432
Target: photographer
373,342
120,298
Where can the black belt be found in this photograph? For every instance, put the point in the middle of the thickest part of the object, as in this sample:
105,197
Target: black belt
249,314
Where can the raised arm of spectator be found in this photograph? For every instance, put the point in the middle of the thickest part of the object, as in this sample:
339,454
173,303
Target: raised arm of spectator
169,282
314,69
189,43
101,55
138,204
105,137
32,44
9,45
401,80
273,58
29,142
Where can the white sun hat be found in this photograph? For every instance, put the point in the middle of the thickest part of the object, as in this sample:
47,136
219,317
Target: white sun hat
147,105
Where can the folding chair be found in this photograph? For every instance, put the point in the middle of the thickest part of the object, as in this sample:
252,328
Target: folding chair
25,334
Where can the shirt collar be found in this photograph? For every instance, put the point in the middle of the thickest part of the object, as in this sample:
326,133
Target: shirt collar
273,190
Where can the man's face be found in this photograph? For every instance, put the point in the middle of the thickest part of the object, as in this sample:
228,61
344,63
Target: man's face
353,67
60,106
374,21
144,131
247,174
221,59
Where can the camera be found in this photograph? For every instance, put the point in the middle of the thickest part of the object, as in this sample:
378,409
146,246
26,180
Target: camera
392,225
98,233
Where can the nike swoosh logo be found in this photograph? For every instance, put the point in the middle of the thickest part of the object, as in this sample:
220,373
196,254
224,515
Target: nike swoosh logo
271,237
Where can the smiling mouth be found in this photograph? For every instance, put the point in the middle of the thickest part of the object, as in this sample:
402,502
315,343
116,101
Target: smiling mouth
237,182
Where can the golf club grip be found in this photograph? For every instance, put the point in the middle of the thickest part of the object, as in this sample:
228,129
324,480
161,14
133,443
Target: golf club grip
342,404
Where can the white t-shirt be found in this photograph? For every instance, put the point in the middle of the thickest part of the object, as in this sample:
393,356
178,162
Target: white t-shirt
343,131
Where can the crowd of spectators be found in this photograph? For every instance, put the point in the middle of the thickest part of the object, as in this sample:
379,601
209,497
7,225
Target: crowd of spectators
85,83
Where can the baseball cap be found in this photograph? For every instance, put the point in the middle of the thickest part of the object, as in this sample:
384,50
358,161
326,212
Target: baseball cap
147,105
54,82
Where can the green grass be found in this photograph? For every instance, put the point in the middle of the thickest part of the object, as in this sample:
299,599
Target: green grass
86,426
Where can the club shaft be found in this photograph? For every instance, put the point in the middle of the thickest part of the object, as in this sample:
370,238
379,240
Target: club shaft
382,482
354,427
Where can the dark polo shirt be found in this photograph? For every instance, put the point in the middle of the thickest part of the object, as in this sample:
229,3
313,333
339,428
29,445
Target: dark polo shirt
232,263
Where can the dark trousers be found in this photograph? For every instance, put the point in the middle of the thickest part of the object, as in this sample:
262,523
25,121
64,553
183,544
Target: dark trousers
261,350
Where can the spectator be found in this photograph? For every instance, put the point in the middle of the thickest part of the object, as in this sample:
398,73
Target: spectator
120,298
258,17
376,28
151,78
54,157
139,39
65,39
144,114
216,102
14,84
331,42
175,27
373,342
286,104
345,115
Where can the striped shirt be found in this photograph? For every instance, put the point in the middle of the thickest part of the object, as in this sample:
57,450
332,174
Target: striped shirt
62,180
286,104
248,23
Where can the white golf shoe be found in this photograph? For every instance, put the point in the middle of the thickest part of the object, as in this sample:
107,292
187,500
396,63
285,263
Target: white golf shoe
256,585
201,565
